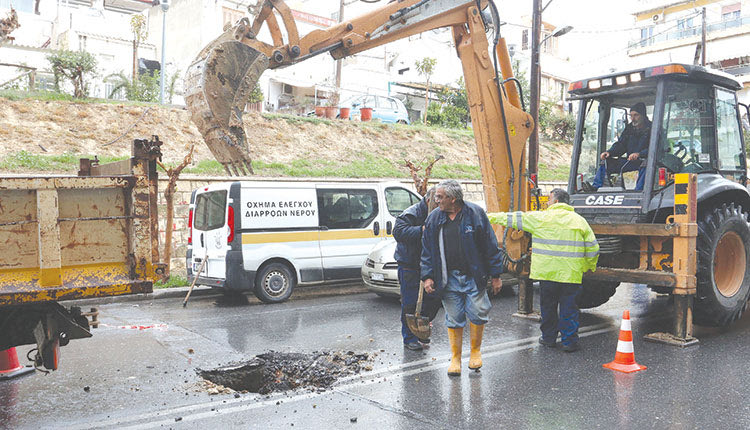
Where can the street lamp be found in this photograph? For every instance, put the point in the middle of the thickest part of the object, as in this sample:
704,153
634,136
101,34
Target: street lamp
558,33
164,8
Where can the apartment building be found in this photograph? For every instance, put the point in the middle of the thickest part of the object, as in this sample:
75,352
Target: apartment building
670,31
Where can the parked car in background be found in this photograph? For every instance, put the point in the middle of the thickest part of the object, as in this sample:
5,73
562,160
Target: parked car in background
380,271
385,109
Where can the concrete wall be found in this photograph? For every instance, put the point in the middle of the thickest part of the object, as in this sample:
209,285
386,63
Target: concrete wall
473,192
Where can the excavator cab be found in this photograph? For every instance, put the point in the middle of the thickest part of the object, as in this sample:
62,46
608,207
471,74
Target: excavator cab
695,127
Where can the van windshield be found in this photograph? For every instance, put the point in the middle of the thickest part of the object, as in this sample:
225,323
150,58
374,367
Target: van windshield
210,209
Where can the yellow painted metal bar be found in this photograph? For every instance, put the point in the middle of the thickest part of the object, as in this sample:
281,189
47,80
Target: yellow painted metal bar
306,236
50,259
90,280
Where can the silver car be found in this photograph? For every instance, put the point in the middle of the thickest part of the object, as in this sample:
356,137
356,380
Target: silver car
380,271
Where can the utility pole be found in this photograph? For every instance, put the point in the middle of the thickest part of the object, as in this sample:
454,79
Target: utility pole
339,62
703,36
536,29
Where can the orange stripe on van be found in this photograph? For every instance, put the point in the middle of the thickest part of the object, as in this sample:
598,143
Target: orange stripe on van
306,236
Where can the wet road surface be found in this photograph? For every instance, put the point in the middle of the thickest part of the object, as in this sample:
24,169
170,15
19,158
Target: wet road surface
145,377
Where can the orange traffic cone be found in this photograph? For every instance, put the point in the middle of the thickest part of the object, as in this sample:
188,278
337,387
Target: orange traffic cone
9,365
624,357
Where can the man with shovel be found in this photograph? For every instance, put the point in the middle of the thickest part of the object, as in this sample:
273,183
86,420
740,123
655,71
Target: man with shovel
408,235
459,253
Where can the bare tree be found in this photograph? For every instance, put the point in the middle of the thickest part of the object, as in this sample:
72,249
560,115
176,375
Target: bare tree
173,174
421,183
8,24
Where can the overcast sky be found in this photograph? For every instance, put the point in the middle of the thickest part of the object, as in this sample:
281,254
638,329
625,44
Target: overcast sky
598,42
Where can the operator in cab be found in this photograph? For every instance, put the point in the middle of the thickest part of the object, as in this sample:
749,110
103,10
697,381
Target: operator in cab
632,146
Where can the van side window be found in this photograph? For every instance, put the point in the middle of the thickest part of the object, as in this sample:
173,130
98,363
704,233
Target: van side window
398,199
347,208
209,210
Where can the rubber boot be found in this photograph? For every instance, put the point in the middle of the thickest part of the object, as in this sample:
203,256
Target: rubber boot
475,361
455,337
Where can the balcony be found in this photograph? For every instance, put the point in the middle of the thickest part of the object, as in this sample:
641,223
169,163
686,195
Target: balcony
686,33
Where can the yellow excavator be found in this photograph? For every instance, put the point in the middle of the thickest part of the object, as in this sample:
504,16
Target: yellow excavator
662,231
224,73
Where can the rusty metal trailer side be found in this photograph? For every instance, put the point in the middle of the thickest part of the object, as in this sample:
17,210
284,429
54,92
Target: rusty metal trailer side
70,237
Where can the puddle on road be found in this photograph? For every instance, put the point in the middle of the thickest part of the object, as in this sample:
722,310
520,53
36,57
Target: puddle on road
278,371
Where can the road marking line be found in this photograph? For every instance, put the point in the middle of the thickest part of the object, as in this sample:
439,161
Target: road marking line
404,369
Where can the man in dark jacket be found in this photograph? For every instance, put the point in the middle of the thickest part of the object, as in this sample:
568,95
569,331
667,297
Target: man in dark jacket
459,253
632,144
408,235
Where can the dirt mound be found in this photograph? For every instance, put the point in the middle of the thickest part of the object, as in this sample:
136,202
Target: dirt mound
56,127
107,129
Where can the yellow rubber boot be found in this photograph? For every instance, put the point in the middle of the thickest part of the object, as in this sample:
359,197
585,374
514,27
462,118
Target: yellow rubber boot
456,337
475,361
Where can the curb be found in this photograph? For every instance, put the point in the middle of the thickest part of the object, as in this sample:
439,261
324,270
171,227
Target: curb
161,293
331,289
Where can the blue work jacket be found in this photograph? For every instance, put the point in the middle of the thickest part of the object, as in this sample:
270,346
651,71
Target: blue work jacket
408,235
478,243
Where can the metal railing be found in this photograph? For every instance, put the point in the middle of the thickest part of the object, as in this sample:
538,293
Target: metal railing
684,33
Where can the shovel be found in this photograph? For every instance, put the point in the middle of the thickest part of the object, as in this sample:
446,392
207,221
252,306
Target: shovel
418,324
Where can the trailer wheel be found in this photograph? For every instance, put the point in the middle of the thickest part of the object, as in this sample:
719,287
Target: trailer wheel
723,246
595,293
274,283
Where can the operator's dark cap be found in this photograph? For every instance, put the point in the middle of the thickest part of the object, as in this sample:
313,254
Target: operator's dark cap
639,107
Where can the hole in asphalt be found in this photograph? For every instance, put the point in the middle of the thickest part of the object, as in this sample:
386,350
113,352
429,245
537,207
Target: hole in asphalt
278,371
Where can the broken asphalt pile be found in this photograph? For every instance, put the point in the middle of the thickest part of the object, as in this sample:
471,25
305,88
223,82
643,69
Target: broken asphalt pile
277,371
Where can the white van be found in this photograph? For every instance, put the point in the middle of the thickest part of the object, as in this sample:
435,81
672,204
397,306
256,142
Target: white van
268,237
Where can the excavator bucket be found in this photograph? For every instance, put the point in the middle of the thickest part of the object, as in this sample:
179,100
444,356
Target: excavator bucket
218,85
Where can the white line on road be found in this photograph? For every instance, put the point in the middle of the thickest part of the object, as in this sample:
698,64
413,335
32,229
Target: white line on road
195,412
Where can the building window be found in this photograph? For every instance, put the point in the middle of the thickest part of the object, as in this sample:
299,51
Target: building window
646,36
731,12
525,40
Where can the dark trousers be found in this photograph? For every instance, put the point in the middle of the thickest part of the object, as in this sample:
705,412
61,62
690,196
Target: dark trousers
408,279
554,294
614,165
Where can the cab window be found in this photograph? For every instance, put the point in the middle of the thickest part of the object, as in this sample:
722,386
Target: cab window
687,139
209,210
398,199
347,208
728,132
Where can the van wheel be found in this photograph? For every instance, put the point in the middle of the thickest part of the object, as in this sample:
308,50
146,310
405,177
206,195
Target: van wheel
723,273
595,293
401,121
274,283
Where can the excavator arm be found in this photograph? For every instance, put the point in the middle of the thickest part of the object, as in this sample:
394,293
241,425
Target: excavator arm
221,78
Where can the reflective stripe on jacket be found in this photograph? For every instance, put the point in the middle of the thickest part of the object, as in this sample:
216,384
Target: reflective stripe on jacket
563,245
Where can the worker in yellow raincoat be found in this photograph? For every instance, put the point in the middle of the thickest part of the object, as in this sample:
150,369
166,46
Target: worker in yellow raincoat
563,249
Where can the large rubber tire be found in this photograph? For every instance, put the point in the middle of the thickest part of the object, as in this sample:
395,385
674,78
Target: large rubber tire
723,273
595,293
274,283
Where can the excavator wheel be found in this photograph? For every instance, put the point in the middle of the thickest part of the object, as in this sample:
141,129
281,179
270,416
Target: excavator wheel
723,246
595,293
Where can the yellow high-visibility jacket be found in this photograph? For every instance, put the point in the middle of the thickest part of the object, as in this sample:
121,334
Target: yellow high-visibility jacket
563,245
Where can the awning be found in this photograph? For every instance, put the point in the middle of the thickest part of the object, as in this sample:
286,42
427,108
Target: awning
300,83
